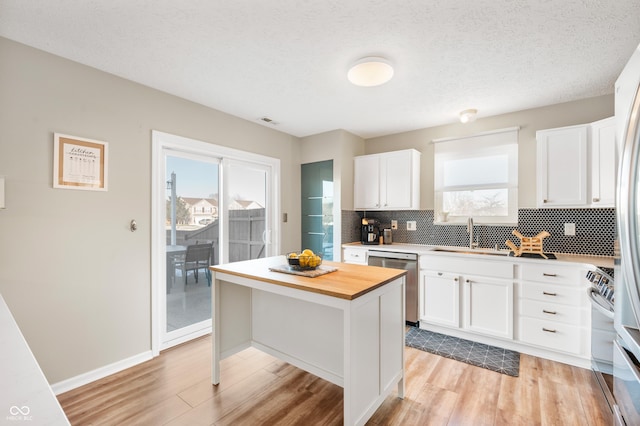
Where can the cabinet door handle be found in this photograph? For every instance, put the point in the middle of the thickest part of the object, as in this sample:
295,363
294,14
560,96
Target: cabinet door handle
548,330
548,312
455,279
596,200
546,293
439,274
544,201
468,281
544,274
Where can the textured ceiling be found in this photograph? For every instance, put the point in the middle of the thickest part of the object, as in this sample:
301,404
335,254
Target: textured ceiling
287,59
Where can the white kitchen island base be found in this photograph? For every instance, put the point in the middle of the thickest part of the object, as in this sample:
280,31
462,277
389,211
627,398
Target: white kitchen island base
355,343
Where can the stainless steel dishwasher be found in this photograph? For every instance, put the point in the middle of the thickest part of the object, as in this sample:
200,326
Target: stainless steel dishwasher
409,262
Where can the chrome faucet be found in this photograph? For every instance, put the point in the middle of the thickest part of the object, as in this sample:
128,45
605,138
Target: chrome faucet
472,244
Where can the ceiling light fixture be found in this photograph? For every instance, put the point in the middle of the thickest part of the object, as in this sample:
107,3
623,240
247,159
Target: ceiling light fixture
468,115
370,71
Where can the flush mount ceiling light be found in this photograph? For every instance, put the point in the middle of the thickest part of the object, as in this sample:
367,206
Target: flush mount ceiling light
370,71
468,115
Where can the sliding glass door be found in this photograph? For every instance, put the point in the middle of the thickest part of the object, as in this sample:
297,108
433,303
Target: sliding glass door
211,205
192,239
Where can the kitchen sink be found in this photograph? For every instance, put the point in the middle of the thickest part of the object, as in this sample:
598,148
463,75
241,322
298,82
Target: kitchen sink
462,250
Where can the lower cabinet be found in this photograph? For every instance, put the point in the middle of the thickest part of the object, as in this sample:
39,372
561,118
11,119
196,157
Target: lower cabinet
554,310
480,304
488,305
440,298
539,308
354,255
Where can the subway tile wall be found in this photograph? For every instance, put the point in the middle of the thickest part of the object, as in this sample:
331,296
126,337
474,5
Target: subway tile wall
595,229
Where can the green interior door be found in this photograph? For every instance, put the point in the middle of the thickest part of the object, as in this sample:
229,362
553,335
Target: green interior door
317,208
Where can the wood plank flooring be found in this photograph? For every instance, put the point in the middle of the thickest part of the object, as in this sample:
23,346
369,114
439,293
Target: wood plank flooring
257,389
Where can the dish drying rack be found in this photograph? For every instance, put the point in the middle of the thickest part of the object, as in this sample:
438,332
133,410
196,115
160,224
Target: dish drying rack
528,244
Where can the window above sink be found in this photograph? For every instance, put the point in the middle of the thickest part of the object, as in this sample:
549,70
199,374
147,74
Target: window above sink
477,176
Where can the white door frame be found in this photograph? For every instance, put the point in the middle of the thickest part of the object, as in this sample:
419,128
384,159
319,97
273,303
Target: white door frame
164,141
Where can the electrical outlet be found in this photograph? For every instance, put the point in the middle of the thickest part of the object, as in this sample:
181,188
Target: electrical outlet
411,225
394,224
570,229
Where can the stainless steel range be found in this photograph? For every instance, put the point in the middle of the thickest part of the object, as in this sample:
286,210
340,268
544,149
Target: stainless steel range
603,334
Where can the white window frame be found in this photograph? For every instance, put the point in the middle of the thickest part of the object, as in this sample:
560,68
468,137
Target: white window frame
503,141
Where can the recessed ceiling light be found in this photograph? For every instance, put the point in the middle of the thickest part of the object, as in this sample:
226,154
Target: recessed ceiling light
370,71
468,115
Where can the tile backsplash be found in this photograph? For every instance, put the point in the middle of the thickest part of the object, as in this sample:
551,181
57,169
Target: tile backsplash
595,229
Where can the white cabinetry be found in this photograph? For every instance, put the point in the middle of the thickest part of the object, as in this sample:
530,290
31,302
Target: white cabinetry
576,165
387,181
485,304
554,309
355,255
603,163
440,298
562,167
489,306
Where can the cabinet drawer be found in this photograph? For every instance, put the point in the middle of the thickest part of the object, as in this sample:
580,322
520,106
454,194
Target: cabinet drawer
547,311
554,293
354,256
550,273
553,335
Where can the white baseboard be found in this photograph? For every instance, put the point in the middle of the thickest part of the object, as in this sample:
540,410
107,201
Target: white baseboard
99,373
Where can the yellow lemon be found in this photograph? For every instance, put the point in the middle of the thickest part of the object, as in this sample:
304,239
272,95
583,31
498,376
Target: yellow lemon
307,252
293,255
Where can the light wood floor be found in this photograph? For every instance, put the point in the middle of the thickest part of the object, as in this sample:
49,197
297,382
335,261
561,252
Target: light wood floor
257,389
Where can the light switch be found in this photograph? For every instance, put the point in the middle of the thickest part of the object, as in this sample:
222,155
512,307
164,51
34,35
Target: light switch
569,229
411,225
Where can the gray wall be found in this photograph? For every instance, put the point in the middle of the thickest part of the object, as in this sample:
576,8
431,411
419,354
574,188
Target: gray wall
74,276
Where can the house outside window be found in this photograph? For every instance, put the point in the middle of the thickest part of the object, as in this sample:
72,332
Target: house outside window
477,176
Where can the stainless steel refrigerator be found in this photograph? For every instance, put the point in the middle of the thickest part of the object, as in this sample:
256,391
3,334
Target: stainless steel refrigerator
626,349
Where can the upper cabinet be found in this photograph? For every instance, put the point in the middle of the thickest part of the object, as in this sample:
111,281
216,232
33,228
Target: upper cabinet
603,163
562,167
576,166
387,181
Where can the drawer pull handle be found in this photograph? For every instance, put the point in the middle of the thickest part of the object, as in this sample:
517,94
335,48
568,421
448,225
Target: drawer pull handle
544,274
439,274
596,200
548,312
546,293
548,330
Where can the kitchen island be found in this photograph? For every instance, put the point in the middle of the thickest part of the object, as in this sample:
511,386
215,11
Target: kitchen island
346,327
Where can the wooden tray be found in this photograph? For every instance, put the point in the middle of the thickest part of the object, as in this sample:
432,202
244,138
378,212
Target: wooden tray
321,270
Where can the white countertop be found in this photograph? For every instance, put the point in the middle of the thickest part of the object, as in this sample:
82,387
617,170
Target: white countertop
421,249
25,394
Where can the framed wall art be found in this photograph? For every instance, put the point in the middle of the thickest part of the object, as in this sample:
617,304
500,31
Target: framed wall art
79,163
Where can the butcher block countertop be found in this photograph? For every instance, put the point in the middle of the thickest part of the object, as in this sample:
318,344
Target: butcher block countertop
348,282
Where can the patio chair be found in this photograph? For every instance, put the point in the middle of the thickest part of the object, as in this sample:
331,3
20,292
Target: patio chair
197,256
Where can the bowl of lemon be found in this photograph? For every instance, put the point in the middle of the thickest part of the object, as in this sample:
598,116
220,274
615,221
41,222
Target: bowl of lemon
306,260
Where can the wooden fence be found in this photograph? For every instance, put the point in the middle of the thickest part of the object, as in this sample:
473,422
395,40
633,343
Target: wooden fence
246,229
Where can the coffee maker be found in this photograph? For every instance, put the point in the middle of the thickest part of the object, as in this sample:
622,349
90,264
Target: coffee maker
370,232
